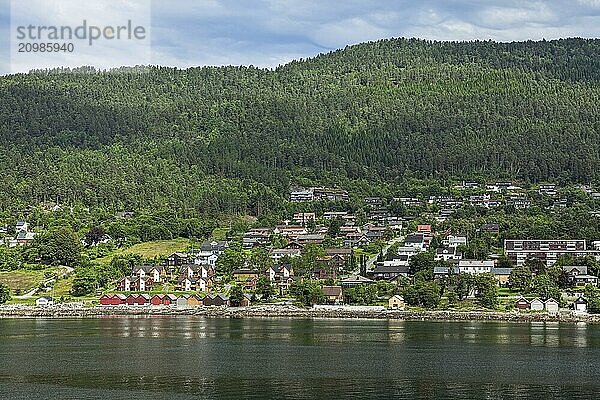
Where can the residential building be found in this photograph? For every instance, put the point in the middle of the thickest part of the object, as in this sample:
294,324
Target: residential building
355,280
333,294
301,195
396,302
547,251
215,247
278,254
390,272
447,254
303,218
44,301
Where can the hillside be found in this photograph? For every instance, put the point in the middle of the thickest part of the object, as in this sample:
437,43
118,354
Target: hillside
233,139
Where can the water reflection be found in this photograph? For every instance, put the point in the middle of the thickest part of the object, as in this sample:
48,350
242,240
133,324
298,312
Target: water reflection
293,358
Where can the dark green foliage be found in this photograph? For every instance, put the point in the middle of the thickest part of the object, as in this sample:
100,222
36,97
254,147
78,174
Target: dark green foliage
307,292
59,246
236,295
4,293
264,289
521,279
423,294
231,140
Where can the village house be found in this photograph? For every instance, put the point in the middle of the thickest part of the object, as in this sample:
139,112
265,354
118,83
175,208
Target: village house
177,259
304,218
279,272
536,305
23,238
389,273
158,274
523,304
415,240
342,259
447,254
205,258
310,239
278,254
580,305
502,275
355,280
254,239
493,229
396,302
578,276
215,300
214,247
333,294
44,301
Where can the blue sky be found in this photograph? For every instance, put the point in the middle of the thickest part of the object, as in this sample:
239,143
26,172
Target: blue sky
267,33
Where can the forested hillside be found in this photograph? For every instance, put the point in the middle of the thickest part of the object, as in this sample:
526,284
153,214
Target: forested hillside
233,139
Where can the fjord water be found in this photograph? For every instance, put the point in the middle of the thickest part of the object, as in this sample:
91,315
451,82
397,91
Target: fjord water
197,358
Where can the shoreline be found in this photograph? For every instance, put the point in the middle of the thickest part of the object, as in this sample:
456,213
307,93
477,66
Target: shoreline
271,311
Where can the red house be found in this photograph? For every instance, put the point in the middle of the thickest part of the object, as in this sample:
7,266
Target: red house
106,300
118,299
131,299
169,299
157,299
142,300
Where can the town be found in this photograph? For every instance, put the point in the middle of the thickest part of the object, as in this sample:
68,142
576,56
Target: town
395,252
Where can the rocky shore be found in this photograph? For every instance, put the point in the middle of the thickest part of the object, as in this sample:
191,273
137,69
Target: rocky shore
286,311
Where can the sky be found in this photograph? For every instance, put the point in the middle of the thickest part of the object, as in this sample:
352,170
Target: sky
268,33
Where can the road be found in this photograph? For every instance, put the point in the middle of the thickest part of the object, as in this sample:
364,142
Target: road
371,261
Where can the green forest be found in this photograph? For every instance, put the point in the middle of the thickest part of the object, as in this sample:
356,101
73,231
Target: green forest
233,140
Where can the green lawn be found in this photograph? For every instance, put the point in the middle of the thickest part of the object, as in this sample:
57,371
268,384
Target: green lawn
159,248
22,281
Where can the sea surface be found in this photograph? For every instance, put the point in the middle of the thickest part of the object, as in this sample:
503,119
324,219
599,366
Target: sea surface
197,358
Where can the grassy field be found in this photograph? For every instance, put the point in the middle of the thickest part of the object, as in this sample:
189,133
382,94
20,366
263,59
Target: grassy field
22,281
63,287
159,248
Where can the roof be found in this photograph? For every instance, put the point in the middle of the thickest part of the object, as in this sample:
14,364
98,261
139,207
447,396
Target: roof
356,279
414,238
332,290
399,269
476,263
501,271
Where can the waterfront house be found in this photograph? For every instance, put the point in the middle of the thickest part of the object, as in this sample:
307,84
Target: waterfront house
396,302
194,300
157,299
182,301
333,294
106,300
537,305
523,304
580,305
551,306
141,300
44,301
215,300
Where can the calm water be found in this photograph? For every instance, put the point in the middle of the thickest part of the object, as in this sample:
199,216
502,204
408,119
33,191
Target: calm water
196,358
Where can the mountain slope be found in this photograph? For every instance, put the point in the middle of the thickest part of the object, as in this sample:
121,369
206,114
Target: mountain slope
233,139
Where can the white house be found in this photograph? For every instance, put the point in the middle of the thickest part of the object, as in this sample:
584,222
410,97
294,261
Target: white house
537,305
44,301
551,306
475,266
580,305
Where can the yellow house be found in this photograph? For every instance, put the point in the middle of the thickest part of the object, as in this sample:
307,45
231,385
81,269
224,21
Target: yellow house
396,302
